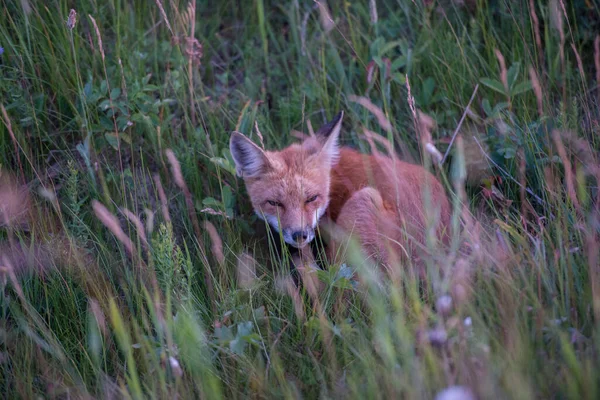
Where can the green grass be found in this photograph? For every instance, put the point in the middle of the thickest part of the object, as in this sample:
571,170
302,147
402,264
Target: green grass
177,315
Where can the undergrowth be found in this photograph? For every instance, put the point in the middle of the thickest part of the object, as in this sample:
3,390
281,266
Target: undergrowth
132,265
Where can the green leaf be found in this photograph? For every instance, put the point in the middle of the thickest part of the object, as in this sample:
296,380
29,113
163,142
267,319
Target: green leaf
244,335
223,163
398,63
115,93
487,108
212,202
521,88
388,46
112,140
513,74
427,92
228,198
503,105
493,84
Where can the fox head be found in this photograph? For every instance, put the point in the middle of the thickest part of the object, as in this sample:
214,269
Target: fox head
290,188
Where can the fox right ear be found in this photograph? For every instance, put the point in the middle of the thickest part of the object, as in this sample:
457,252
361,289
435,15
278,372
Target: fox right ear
329,135
250,160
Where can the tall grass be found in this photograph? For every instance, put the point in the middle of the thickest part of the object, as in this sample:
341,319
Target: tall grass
131,264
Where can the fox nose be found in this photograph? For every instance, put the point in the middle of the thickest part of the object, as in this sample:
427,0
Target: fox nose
300,236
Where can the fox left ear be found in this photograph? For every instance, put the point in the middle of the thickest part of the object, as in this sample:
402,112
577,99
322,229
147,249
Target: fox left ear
329,135
250,160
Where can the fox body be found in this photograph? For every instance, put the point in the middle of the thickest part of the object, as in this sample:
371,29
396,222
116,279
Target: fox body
385,202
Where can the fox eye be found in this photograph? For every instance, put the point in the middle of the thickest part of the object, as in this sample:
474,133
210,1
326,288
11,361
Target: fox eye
311,199
274,203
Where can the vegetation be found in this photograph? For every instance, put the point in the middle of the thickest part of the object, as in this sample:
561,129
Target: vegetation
131,264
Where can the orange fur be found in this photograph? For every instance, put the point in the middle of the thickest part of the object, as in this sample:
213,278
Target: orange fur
379,200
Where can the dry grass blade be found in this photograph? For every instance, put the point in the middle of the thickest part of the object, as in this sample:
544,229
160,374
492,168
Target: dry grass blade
260,136
462,119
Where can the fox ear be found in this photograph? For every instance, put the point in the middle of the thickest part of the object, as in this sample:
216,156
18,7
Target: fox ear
329,134
250,160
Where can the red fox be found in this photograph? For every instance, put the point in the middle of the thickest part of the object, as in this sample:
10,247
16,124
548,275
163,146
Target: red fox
380,200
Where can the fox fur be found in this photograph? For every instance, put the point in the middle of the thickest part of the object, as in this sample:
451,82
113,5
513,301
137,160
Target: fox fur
387,204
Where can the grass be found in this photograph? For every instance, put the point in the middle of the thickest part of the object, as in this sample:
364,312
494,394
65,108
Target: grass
132,265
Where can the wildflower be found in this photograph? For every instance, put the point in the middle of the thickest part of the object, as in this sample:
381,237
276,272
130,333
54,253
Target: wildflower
444,305
1,50
455,393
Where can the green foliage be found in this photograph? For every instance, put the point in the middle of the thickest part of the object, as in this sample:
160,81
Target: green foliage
198,303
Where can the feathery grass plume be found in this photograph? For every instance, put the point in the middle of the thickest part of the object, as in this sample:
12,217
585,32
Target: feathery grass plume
411,102
373,109
98,38
14,203
216,242
536,27
163,199
569,176
96,311
537,89
246,270
6,268
175,169
503,71
212,211
72,20
112,223
164,15
325,16
135,220
373,12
